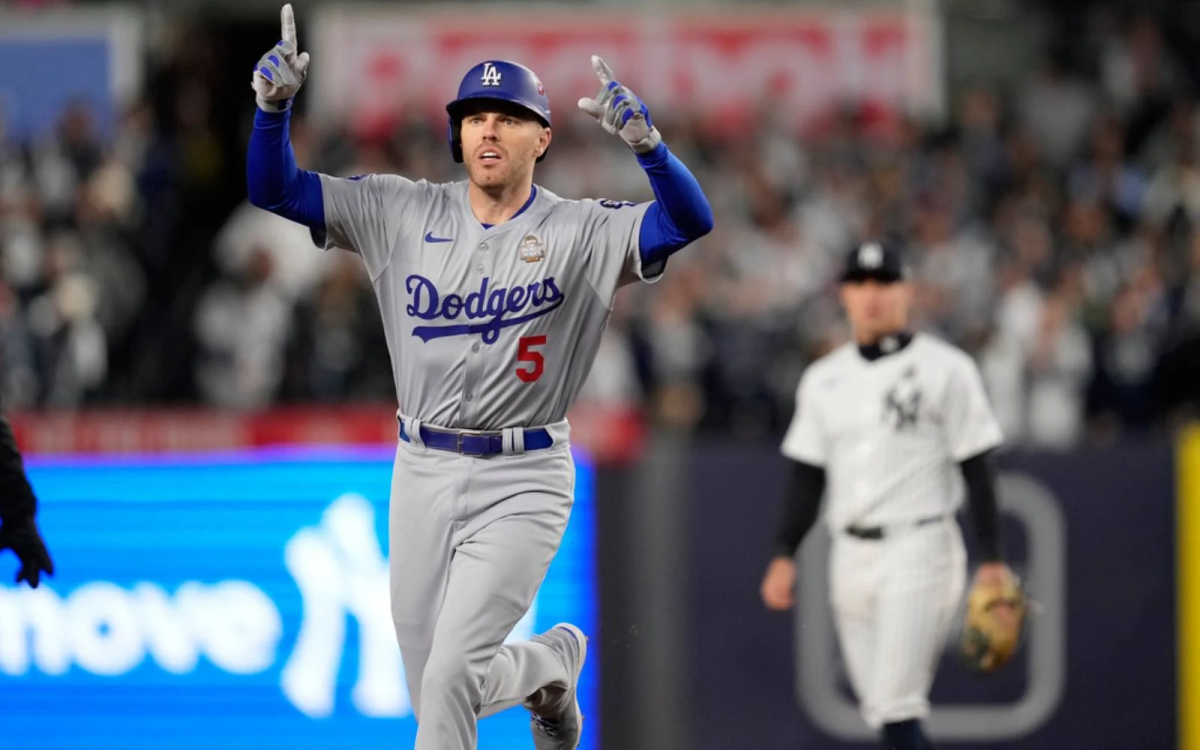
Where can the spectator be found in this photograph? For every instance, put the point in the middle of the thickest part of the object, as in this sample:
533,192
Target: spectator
242,324
337,350
1053,227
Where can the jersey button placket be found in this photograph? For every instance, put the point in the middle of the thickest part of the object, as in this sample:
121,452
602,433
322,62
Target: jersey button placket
474,364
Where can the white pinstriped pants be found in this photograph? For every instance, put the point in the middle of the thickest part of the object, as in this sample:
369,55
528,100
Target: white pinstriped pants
894,601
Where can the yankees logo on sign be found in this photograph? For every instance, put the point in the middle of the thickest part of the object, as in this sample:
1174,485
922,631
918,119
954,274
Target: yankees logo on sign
491,76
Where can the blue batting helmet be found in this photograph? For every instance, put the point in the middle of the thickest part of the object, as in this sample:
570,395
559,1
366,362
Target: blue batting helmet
499,80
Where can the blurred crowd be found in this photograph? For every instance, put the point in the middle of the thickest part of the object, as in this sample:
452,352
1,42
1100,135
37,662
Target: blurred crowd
1054,227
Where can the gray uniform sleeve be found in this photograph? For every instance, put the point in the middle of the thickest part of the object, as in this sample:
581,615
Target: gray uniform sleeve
363,215
806,439
610,240
970,426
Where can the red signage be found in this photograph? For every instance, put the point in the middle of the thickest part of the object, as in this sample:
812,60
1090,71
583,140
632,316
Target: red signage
726,67
609,435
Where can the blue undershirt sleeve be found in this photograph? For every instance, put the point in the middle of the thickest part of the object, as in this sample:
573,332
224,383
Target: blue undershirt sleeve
680,214
273,181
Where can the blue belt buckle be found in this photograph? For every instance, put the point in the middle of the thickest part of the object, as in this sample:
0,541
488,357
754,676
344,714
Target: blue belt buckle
459,444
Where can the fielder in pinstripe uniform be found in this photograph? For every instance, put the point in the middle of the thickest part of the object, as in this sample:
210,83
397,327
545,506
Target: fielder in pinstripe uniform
890,427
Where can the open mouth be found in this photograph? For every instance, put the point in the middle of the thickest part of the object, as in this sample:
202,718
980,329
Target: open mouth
489,156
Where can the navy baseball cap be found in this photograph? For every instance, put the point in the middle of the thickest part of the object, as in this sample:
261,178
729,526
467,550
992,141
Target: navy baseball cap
881,260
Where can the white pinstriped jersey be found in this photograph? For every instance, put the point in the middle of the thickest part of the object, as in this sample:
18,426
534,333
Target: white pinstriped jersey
890,432
487,327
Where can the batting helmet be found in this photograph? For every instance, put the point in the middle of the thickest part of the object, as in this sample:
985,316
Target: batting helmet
500,80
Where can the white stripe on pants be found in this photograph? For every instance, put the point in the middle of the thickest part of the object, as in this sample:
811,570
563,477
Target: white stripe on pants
894,600
470,542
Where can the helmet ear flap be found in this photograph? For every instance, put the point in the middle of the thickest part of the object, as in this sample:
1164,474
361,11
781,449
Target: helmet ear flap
454,136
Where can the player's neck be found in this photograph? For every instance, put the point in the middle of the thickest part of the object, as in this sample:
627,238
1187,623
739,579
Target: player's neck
877,345
497,205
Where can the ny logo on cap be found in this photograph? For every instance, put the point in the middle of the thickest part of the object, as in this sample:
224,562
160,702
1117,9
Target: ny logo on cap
870,255
491,76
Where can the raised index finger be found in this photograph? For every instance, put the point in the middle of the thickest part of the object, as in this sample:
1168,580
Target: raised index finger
603,72
287,20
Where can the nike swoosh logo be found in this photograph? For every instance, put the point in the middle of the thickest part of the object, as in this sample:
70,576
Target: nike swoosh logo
430,238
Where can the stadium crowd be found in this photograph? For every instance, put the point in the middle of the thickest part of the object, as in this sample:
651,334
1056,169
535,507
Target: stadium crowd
1054,228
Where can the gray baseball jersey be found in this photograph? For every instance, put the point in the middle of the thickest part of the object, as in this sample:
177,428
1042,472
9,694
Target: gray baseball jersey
487,327
890,432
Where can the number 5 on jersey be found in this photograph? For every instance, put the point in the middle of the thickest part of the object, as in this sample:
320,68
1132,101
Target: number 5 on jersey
527,355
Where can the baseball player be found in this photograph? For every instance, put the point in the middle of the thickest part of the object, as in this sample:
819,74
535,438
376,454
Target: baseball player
494,293
883,427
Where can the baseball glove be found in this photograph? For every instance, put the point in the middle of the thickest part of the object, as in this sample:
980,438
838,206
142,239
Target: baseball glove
994,621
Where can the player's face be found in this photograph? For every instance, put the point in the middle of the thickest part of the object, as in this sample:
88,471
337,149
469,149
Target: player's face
875,307
500,145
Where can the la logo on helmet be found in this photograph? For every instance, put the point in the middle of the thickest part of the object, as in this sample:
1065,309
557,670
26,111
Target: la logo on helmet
491,76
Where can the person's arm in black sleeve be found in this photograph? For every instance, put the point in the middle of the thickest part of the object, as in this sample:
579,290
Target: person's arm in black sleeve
799,514
17,500
18,512
800,507
980,479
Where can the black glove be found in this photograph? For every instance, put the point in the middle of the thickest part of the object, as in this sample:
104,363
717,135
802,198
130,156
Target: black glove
23,538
